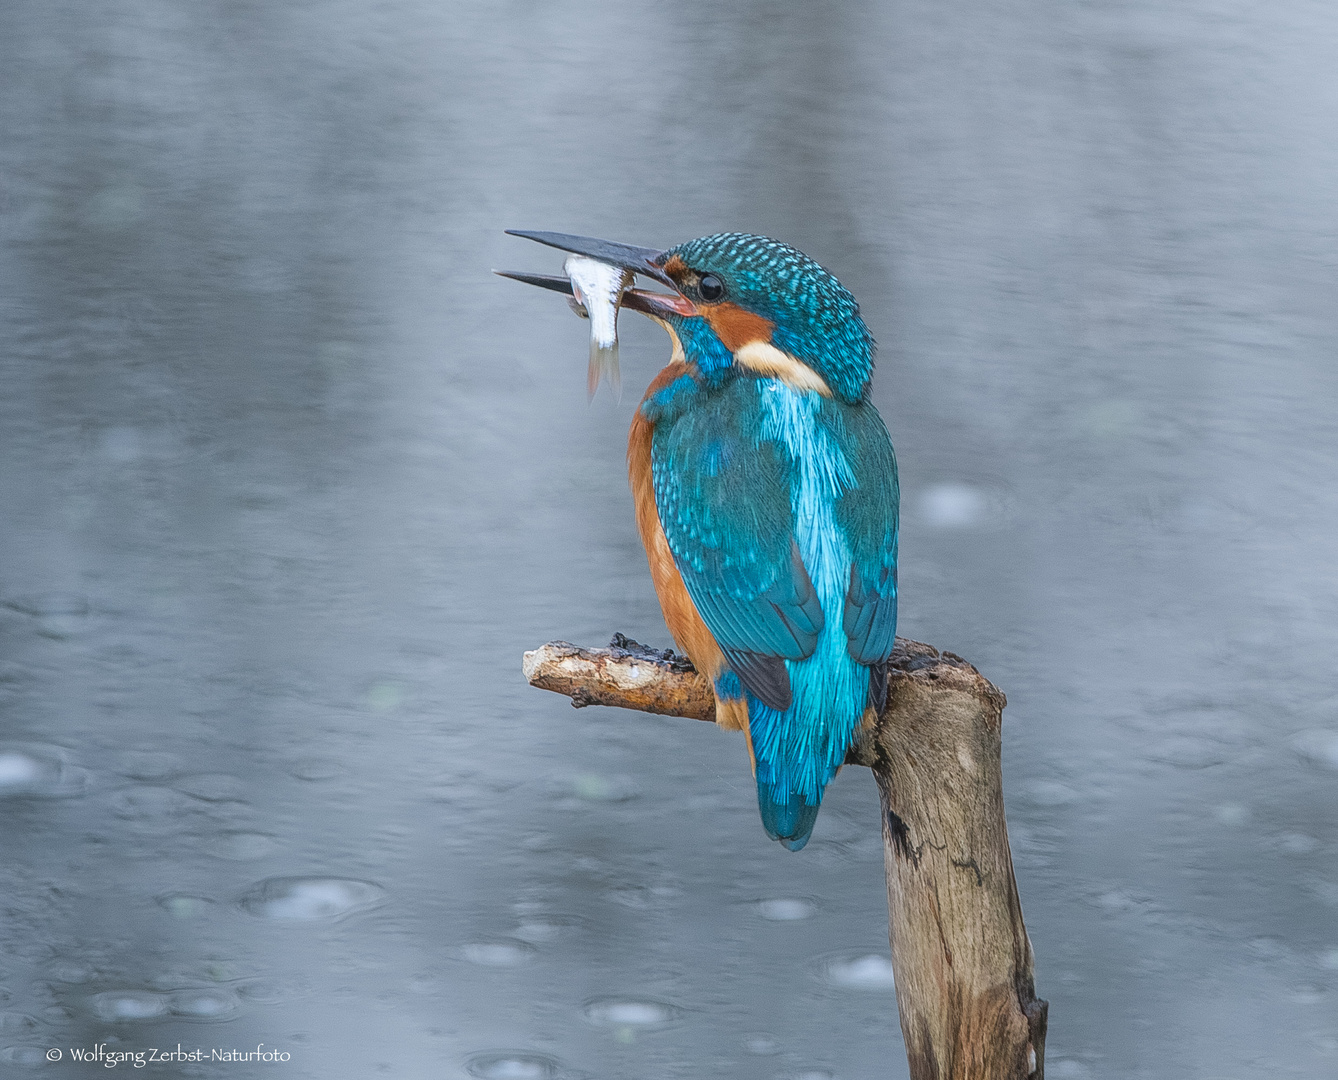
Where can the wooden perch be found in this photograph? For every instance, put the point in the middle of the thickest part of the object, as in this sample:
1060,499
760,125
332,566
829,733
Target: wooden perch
960,952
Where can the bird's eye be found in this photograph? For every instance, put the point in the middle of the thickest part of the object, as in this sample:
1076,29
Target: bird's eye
711,287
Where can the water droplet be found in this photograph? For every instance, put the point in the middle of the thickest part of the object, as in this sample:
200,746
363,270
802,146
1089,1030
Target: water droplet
1112,418
953,506
869,972
1067,1070
786,909
242,846
1051,793
628,1012
150,808
269,991
593,788
149,764
1329,959
1297,843
546,928
385,695
129,1005
18,770
14,1023
317,768
212,787
203,1004
29,1057
115,207
762,1044
185,906
1118,900
512,1065
122,445
309,898
498,953
1188,752
1319,746
1232,814
70,971
38,771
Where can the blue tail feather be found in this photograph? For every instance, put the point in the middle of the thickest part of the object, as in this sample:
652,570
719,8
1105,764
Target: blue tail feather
789,822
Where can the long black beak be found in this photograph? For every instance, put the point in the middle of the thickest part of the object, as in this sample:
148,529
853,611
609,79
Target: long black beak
638,259
654,304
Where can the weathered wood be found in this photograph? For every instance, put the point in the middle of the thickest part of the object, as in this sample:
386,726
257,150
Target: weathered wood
960,952
625,674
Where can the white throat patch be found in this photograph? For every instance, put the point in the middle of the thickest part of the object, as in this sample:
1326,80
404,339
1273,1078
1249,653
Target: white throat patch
766,359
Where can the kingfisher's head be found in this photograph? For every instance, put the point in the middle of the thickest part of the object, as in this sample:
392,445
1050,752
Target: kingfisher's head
744,302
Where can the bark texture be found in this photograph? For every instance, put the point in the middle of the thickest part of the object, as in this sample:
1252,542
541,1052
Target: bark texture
960,951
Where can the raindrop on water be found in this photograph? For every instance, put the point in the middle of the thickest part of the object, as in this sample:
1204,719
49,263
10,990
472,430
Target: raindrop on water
203,1004
212,787
149,764
185,906
1051,793
129,1005
70,971
14,1023
498,953
317,768
953,506
629,1012
151,809
242,846
1297,843
18,770
786,909
311,898
762,1044
29,1057
547,928
1319,746
512,1065
869,972
38,771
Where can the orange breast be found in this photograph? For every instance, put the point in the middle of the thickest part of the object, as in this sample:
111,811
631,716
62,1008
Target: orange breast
680,614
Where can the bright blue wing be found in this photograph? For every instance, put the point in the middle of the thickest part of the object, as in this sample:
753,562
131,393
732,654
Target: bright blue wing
867,515
723,494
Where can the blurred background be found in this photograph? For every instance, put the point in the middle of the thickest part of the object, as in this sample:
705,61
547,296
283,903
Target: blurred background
289,481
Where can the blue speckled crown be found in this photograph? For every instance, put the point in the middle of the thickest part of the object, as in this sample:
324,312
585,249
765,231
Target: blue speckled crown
817,319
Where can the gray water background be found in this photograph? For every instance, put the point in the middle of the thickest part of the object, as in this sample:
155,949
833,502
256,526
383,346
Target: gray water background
290,481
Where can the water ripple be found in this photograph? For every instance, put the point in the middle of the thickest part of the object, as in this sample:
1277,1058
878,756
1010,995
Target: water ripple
871,971
311,898
39,771
629,1012
512,1065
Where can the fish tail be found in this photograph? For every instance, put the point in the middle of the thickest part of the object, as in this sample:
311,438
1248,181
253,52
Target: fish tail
604,365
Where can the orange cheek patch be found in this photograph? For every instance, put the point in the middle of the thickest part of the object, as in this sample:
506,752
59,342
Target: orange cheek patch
736,327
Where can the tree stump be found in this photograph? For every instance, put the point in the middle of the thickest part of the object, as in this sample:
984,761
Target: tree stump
960,952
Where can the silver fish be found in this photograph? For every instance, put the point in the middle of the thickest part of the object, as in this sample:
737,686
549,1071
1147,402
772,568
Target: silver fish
598,290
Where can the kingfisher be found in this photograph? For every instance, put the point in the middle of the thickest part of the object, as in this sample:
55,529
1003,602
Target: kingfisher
765,489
